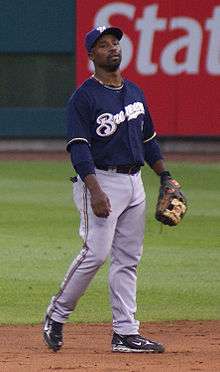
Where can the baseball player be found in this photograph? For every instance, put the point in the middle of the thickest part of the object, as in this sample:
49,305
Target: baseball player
110,137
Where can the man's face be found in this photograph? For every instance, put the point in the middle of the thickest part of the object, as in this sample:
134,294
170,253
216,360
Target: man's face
106,53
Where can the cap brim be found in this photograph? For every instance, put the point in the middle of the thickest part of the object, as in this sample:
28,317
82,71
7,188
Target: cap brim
113,31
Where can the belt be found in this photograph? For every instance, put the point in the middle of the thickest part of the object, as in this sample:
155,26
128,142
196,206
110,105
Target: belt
126,169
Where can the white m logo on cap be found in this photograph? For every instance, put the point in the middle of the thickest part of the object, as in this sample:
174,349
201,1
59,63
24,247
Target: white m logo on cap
101,29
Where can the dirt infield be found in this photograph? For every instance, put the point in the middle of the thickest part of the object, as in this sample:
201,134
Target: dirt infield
190,346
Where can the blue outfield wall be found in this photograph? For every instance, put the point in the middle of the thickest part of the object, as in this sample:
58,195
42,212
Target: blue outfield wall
32,123
37,26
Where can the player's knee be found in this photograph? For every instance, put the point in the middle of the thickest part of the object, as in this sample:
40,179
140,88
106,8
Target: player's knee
98,251
99,258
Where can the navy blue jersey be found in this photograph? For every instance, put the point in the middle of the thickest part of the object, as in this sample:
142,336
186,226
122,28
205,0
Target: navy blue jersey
115,122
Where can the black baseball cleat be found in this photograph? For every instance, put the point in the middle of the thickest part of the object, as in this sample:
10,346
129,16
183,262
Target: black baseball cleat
52,333
135,344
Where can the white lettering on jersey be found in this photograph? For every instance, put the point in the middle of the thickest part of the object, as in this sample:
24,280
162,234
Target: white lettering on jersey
107,125
108,122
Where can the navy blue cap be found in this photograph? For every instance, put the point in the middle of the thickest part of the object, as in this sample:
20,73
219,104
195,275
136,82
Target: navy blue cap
96,33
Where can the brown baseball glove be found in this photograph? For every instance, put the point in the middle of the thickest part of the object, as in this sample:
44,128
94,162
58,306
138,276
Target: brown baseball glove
171,205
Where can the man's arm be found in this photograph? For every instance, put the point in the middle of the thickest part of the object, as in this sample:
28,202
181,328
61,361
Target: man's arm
100,202
82,161
154,159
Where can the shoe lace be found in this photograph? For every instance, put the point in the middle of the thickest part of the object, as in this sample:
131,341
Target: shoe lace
57,329
138,338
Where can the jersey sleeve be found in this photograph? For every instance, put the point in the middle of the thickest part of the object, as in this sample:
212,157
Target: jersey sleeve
81,158
78,125
152,152
148,130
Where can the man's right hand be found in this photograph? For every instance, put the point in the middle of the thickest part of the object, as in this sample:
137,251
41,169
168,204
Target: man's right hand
100,202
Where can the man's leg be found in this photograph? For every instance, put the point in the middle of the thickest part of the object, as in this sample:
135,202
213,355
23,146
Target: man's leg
126,254
98,234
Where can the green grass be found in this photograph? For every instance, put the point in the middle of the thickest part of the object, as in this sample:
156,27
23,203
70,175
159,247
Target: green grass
179,272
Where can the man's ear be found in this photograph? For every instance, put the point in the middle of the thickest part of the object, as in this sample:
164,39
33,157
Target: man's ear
91,56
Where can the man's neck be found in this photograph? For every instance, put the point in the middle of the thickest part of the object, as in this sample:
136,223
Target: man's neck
109,78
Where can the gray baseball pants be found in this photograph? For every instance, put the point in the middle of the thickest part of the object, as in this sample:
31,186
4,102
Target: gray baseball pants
120,236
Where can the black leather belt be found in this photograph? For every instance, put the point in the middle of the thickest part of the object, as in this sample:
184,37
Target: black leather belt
126,169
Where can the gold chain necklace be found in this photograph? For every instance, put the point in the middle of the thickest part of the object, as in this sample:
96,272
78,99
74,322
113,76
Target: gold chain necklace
107,85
